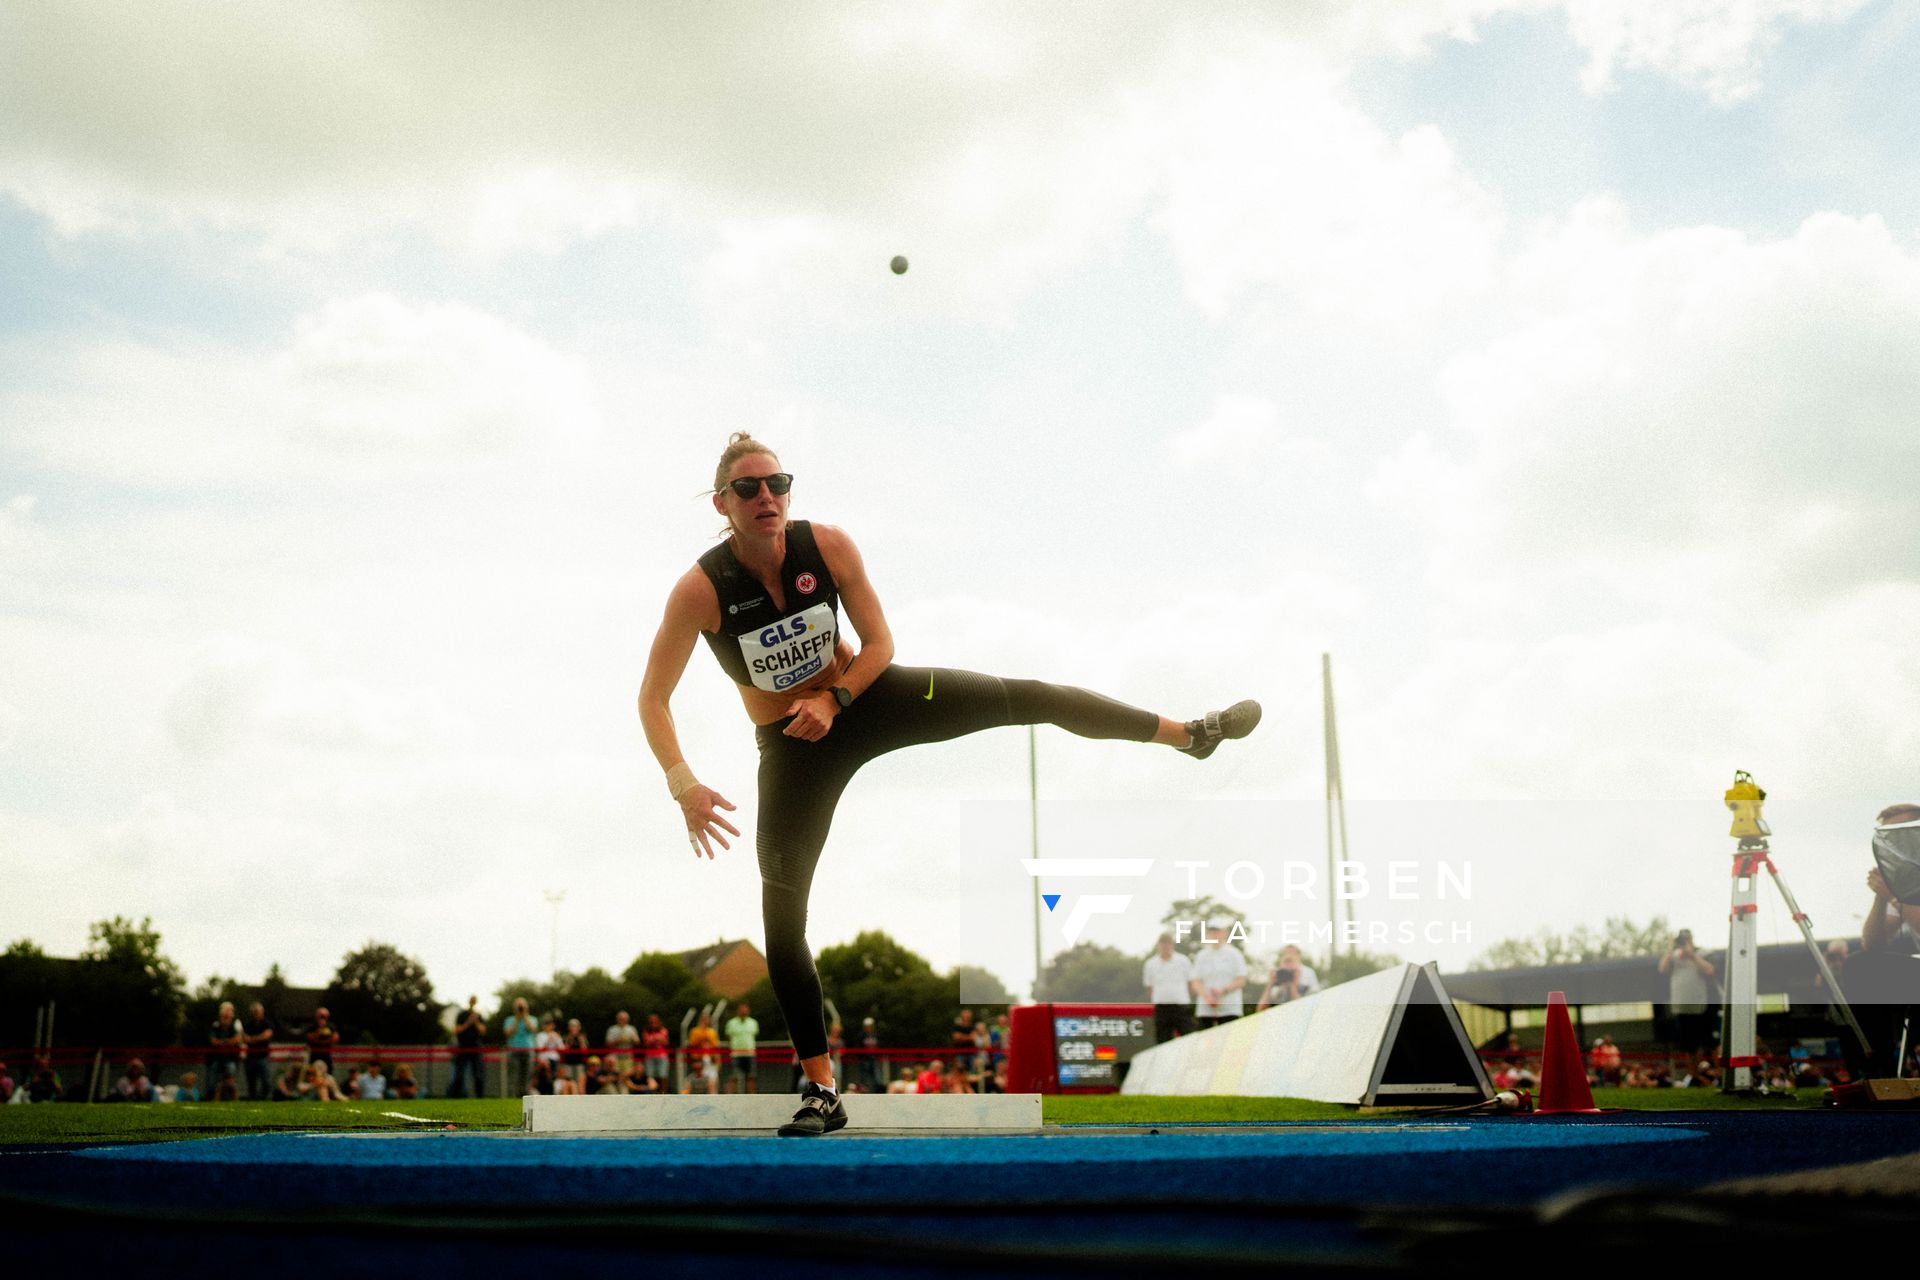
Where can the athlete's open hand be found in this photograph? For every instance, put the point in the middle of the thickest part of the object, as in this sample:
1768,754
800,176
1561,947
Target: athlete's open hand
700,805
812,717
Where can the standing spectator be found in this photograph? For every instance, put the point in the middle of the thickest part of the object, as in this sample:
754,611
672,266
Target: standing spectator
574,1052
656,1040
321,1037
133,1086
1690,978
743,1038
1219,975
703,1054
836,1052
621,1036
259,1036
372,1085
961,1041
1291,978
228,1040
466,1050
6,1085
520,1043
997,1038
1168,978
547,1046
982,1041
873,1067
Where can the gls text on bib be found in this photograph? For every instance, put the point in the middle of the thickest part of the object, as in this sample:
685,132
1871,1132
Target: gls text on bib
791,651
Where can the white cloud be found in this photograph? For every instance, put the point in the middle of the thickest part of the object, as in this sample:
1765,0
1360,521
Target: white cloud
160,837
376,372
1277,182
362,388
244,693
1241,429
1693,401
17,529
1716,46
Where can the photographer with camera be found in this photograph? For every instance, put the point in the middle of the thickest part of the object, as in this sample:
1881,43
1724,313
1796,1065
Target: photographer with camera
1691,998
1290,979
1883,978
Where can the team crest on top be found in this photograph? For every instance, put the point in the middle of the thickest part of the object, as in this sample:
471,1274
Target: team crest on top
806,584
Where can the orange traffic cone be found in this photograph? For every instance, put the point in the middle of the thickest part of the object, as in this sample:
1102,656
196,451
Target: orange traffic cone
1563,1073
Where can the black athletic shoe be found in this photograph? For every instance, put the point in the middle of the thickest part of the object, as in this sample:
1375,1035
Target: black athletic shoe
1215,727
820,1113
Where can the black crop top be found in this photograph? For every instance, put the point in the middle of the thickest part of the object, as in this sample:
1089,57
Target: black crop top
759,644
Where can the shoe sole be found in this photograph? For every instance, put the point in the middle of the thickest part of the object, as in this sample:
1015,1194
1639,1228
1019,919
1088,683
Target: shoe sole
1236,722
792,1131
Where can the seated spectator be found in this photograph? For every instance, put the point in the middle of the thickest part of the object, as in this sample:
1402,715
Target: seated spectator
1606,1060
931,1079
351,1087
996,1080
958,1079
542,1082
601,1077
404,1086
133,1086
189,1089
6,1085
286,1086
564,1085
317,1086
372,1084
905,1083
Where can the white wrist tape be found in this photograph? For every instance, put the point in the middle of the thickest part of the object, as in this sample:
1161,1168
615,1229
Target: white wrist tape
680,780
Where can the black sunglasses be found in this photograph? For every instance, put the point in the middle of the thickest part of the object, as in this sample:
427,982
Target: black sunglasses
748,486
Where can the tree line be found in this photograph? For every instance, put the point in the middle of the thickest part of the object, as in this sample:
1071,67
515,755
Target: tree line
124,991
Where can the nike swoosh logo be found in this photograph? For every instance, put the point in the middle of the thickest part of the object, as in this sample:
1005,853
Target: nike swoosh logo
929,695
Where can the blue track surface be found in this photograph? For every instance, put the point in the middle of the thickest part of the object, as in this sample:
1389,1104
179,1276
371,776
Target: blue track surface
1424,1162
1365,1193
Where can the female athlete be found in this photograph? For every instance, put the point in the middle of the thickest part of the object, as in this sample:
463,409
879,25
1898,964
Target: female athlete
767,603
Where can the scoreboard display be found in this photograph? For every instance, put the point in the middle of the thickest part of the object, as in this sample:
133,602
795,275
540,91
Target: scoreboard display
1090,1050
1076,1048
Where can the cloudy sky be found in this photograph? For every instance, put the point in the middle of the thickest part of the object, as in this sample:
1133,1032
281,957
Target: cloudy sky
1551,365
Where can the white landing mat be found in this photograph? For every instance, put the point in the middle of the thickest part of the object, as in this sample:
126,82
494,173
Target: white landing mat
653,1113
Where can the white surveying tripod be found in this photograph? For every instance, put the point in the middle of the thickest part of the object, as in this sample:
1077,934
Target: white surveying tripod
1738,1034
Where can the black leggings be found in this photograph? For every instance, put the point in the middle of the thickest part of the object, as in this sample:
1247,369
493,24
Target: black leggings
801,782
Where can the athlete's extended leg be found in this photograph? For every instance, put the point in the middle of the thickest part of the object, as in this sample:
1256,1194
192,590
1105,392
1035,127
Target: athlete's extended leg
908,706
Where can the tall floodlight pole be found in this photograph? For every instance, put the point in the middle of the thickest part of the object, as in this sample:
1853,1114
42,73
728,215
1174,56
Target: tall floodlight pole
554,898
1033,810
1336,805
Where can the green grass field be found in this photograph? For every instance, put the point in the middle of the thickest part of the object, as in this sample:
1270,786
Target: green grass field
108,1122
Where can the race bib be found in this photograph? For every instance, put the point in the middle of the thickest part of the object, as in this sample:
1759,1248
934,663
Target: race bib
791,651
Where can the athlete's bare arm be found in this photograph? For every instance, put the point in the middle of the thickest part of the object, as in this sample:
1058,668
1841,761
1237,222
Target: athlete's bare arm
692,607
813,713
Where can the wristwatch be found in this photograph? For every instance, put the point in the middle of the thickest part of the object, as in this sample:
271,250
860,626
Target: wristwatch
841,696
